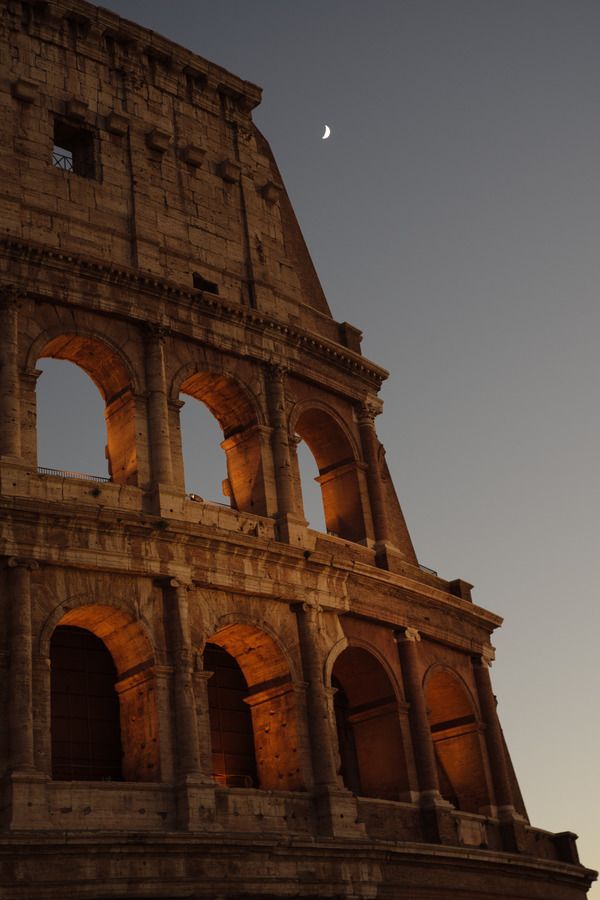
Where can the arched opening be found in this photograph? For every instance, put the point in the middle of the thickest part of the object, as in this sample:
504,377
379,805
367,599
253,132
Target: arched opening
86,731
104,721
109,374
312,496
241,441
71,435
231,734
338,473
457,742
257,747
368,727
204,463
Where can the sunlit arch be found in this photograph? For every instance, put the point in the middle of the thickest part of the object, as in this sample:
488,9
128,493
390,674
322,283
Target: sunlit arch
126,635
338,462
96,354
230,400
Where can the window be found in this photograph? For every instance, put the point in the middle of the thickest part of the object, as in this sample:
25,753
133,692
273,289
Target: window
203,284
73,149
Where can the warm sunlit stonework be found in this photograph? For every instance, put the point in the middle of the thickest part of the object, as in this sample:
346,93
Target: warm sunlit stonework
198,699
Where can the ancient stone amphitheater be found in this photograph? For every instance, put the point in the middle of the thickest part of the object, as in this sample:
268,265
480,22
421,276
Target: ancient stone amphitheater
199,699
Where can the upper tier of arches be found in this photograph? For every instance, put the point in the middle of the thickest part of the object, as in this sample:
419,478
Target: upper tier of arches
144,376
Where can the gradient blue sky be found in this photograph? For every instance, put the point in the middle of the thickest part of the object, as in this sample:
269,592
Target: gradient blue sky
454,215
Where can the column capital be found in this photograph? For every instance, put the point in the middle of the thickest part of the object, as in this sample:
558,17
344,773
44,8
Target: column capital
486,657
154,331
15,562
408,635
10,295
168,581
303,606
368,410
277,371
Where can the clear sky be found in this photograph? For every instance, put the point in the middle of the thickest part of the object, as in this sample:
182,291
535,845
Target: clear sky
454,215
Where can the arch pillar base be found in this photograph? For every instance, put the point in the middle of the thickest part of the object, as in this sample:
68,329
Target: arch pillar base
439,824
25,801
389,557
337,813
166,501
513,829
292,529
196,804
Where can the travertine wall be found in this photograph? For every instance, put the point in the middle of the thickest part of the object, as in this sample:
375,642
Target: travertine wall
168,264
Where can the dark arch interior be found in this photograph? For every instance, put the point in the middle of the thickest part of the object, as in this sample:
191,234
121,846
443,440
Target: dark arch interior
368,727
86,735
232,737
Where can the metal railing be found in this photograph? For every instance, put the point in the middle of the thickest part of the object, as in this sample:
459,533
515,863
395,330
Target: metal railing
62,161
83,476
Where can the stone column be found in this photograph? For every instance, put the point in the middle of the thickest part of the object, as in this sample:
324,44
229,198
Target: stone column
280,440
427,773
20,677
437,819
370,448
163,679
186,725
320,727
10,416
336,809
493,733
200,679
196,809
158,408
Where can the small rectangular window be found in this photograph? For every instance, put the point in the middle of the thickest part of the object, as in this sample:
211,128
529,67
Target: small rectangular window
203,284
73,149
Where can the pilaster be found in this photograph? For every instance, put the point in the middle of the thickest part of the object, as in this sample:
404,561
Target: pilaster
10,413
336,808
290,525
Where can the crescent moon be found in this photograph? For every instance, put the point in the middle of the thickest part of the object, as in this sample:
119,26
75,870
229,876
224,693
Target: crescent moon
326,133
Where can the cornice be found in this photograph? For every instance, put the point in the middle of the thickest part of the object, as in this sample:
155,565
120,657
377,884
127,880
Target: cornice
356,587
213,306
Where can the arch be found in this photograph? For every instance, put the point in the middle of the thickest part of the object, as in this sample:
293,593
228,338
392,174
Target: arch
85,725
231,731
229,399
455,731
239,414
370,742
98,356
327,412
105,619
113,375
127,643
337,459
272,700
331,658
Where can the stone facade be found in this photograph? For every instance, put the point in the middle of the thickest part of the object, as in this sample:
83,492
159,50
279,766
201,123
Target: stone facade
345,741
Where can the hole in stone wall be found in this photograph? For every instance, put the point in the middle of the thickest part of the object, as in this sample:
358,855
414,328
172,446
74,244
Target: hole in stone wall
311,490
204,462
73,149
71,429
203,284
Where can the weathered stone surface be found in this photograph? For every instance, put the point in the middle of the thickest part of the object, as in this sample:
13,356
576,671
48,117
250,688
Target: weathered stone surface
347,743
